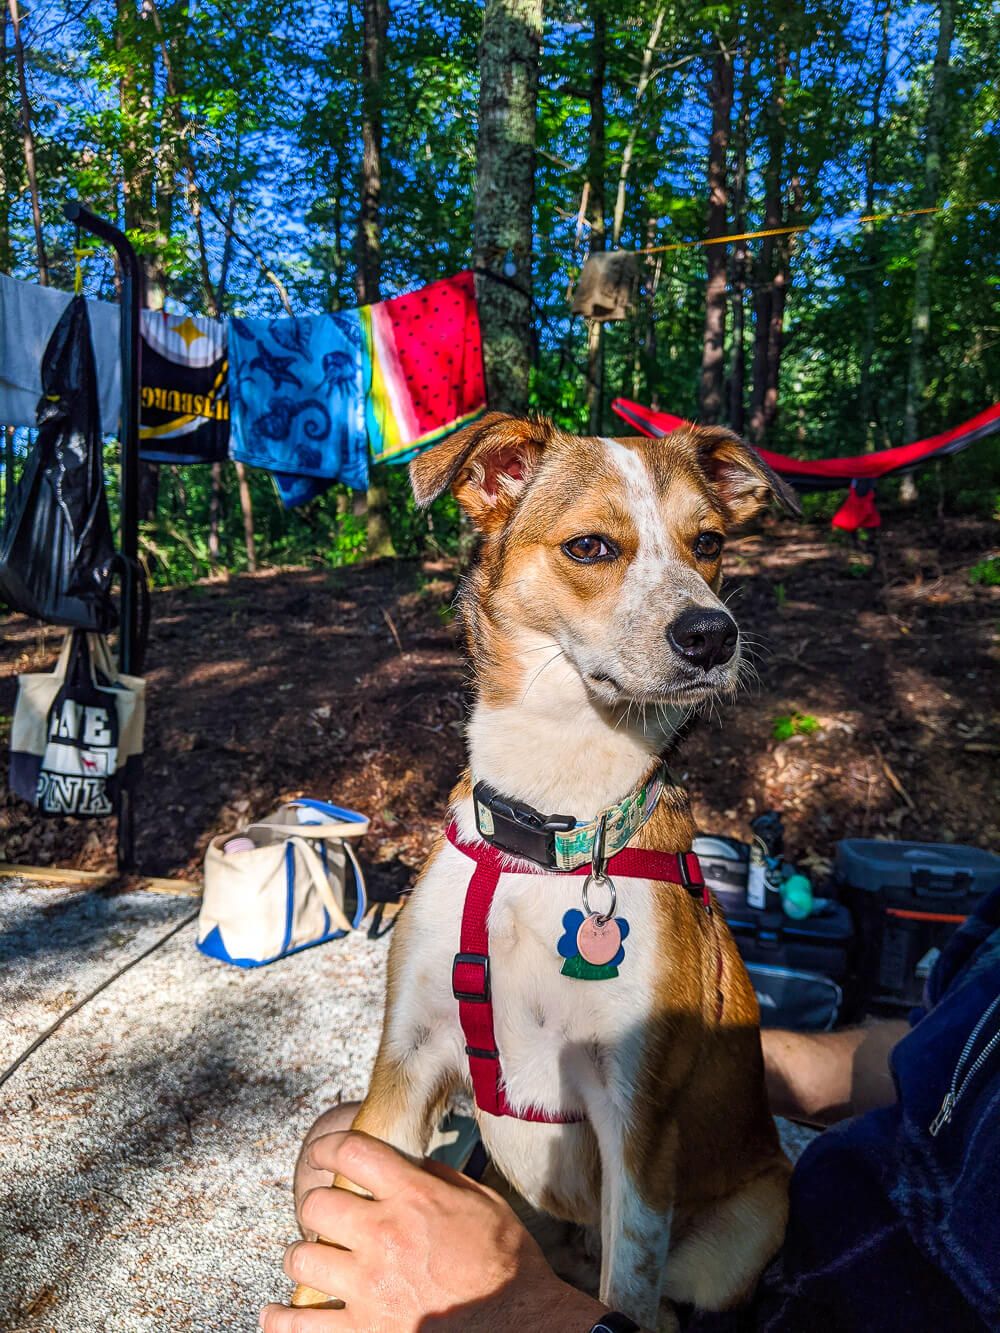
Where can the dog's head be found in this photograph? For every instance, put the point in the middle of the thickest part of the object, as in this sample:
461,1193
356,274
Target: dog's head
610,548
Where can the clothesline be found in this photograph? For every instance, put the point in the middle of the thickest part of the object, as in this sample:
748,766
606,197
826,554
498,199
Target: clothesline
810,226
307,398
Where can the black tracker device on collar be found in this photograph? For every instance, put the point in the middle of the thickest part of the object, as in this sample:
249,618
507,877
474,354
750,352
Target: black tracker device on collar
519,829
615,1322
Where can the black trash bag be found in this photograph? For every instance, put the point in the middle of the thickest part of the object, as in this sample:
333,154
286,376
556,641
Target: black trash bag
56,545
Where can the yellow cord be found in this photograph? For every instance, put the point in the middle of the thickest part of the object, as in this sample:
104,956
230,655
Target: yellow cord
808,226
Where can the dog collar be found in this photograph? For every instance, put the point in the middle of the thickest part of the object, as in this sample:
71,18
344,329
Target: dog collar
560,842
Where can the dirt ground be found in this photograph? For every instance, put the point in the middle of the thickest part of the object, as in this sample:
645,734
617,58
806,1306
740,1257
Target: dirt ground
350,685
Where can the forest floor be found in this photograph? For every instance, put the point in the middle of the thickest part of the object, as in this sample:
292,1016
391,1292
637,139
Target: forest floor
350,685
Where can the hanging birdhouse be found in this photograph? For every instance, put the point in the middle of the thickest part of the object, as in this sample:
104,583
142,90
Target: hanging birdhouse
607,285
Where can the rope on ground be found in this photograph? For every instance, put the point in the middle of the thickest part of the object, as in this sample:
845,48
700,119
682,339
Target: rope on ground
54,1027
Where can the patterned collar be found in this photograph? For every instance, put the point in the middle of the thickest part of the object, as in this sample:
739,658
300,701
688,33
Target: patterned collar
560,842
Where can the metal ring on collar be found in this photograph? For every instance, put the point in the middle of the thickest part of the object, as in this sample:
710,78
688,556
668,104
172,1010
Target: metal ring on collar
603,879
598,860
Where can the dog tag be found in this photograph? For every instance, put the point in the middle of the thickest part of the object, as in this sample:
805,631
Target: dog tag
592,946
598,939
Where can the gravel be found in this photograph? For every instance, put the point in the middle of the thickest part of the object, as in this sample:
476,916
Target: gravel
147,1147
146,1150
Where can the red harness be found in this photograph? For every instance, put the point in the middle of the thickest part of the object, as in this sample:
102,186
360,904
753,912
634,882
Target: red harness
470,974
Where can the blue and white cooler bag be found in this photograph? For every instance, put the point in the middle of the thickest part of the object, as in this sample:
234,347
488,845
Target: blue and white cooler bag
282,885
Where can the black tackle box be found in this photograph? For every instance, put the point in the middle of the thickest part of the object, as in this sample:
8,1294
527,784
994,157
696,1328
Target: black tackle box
804,972
908,899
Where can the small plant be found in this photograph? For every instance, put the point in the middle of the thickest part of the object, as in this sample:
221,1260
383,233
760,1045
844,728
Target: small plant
787,725
780,595
986,572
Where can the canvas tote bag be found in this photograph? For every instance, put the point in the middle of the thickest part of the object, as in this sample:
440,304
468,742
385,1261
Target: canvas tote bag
283,886
77,732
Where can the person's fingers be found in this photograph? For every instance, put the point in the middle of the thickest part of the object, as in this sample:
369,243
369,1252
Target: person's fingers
322,1267
336,1214
280,1319
366,1162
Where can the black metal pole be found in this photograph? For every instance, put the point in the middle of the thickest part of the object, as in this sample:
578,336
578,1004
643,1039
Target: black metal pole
130,649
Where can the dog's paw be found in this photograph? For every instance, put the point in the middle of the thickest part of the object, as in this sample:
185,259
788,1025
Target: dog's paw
308,1298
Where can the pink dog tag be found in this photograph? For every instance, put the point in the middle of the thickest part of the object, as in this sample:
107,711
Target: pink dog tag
598,939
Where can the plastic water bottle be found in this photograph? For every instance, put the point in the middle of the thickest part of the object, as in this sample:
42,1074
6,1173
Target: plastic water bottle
757,876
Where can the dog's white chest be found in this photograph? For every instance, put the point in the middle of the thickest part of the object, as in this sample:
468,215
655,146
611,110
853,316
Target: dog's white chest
560,1037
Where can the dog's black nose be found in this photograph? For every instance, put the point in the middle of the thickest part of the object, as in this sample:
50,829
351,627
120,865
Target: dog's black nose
704,637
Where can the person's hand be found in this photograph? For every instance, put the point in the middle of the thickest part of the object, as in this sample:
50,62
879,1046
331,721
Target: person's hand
430,1250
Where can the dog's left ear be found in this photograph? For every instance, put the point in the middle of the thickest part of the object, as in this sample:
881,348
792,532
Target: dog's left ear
742,480
486,465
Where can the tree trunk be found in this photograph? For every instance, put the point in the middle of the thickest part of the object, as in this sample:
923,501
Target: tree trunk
871,246
28,142
368,239
766,270
505,194
8,467
168,153
247,507
654,267
208,292
214,516
920,323
595,180
645,73
9,176
714,337
741,255
135,104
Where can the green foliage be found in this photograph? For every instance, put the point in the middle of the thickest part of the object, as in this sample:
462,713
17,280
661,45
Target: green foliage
787,725
986,572
227,139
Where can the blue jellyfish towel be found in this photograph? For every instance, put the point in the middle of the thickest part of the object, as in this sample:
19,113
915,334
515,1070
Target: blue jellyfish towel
297,401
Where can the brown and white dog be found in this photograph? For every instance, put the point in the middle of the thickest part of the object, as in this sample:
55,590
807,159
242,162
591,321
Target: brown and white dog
594,627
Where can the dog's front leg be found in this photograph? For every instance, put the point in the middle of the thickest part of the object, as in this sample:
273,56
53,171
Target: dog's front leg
635,1231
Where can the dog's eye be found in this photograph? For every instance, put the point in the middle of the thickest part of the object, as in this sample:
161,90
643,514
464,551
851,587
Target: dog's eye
708,546
590,549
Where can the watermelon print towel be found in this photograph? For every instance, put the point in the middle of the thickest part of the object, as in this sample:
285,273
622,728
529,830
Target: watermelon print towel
423,367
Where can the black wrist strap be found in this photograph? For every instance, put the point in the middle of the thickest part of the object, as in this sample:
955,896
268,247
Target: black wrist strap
615,1322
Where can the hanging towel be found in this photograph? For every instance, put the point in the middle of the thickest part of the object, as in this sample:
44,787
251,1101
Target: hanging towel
423,367
28,317
297,401
184,413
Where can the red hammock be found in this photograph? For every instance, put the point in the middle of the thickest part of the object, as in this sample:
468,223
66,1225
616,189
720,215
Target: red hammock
816,474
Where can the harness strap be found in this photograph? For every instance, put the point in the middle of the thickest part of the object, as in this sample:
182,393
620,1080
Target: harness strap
470,976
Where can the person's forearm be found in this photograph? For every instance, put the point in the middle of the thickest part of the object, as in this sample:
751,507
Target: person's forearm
823,1077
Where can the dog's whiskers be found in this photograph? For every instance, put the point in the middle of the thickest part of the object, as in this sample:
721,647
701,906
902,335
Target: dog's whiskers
558,653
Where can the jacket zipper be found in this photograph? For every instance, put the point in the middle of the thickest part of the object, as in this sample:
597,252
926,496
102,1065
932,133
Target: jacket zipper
954,1094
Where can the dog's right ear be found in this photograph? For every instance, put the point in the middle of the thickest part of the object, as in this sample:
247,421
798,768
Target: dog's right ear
486,465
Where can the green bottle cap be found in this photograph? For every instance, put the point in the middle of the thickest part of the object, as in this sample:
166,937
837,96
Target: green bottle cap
797,897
